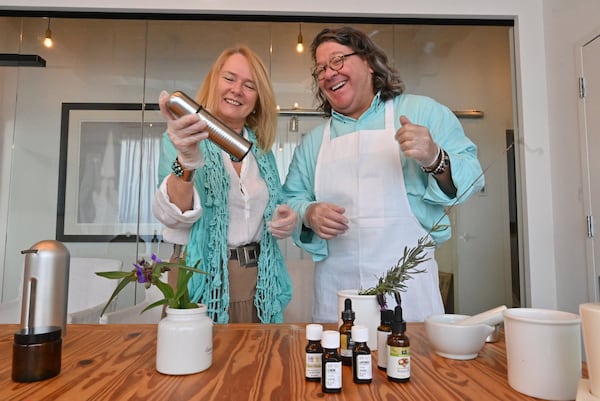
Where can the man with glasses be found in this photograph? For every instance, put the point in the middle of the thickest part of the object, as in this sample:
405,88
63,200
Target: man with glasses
376,176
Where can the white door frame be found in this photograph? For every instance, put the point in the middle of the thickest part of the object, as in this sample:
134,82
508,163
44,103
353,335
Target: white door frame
591,247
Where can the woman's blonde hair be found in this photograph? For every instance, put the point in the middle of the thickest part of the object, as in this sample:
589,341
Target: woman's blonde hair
263,120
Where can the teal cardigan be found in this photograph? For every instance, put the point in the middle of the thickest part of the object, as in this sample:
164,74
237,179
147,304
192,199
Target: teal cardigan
208,235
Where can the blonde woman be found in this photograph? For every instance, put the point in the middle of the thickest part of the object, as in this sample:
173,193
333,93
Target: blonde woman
230,214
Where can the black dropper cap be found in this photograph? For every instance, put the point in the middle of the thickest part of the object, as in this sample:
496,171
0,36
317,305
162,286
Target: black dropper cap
387,316
348,313
398,324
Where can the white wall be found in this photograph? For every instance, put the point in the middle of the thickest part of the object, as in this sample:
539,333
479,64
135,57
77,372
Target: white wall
545,161
568,26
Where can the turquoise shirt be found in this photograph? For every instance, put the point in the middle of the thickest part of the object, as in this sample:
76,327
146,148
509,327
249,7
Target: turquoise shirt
426,199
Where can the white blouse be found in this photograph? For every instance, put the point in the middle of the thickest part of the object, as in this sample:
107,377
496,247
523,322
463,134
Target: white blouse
248,197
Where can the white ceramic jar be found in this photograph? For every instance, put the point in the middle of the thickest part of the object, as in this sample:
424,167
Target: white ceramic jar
184,342
543,352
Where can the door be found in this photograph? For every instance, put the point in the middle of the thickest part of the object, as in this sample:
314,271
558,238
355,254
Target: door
590,118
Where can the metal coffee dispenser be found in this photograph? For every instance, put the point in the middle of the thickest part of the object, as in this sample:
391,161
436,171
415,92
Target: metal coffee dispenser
37,346
45,286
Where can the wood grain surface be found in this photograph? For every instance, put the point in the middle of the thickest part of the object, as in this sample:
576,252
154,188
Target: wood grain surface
250,362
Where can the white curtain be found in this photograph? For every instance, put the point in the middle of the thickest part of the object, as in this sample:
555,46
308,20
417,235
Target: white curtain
138,176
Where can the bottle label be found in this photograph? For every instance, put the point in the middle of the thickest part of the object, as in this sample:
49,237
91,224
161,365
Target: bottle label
398,362
313,365
364,370
333,375
346,345
382,351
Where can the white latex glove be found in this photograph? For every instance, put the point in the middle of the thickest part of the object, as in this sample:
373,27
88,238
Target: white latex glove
284,221
186,133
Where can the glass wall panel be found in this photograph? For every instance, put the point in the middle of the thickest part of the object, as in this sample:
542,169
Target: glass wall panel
104,64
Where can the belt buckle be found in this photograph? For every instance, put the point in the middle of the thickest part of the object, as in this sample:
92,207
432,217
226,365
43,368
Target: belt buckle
248,255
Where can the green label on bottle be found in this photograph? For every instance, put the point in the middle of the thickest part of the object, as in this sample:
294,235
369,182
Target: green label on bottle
398,362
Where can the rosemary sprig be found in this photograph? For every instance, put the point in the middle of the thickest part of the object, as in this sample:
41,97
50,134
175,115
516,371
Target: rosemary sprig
393,281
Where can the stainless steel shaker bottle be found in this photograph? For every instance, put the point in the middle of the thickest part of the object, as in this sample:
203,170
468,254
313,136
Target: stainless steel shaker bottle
45,286
227,139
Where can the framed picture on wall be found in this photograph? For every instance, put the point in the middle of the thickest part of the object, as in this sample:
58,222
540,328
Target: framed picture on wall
108,172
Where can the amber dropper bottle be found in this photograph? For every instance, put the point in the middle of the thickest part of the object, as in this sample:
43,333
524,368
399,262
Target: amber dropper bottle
346,342
384,330
398,358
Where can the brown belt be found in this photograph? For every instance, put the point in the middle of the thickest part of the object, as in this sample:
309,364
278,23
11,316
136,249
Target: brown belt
246,255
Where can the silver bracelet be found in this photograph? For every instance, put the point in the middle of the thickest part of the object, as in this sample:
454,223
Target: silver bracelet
444,161
431,166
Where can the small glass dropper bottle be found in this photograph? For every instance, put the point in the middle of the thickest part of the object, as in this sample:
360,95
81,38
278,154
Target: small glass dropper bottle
346,343
384,330
398,359
313,352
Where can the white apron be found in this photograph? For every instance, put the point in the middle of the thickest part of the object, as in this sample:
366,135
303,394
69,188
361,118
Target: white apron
362,172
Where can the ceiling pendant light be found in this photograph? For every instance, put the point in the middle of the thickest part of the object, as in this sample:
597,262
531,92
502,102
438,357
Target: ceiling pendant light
48,42
300,44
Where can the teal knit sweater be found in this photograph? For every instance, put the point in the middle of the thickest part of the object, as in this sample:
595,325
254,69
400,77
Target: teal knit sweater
208,236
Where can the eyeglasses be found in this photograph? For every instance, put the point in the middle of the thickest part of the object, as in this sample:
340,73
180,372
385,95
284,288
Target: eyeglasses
335,63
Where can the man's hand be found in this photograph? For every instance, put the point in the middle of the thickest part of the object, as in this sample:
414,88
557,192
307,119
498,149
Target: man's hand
416,142
326,219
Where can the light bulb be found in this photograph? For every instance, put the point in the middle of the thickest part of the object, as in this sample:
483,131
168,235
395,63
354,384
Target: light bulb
300,44
48,42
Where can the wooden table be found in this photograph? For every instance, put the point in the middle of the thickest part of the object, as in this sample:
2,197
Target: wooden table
250,362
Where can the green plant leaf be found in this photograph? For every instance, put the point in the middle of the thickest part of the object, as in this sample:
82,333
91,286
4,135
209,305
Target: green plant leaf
165,288
155,304
114,274
178,298
182,294
122,284
182,266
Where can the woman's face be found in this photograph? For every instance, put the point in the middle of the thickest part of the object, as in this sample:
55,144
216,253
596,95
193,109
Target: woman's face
237,91
349,90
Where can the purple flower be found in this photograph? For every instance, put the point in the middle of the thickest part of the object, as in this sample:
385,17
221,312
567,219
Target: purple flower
148,272
140,273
